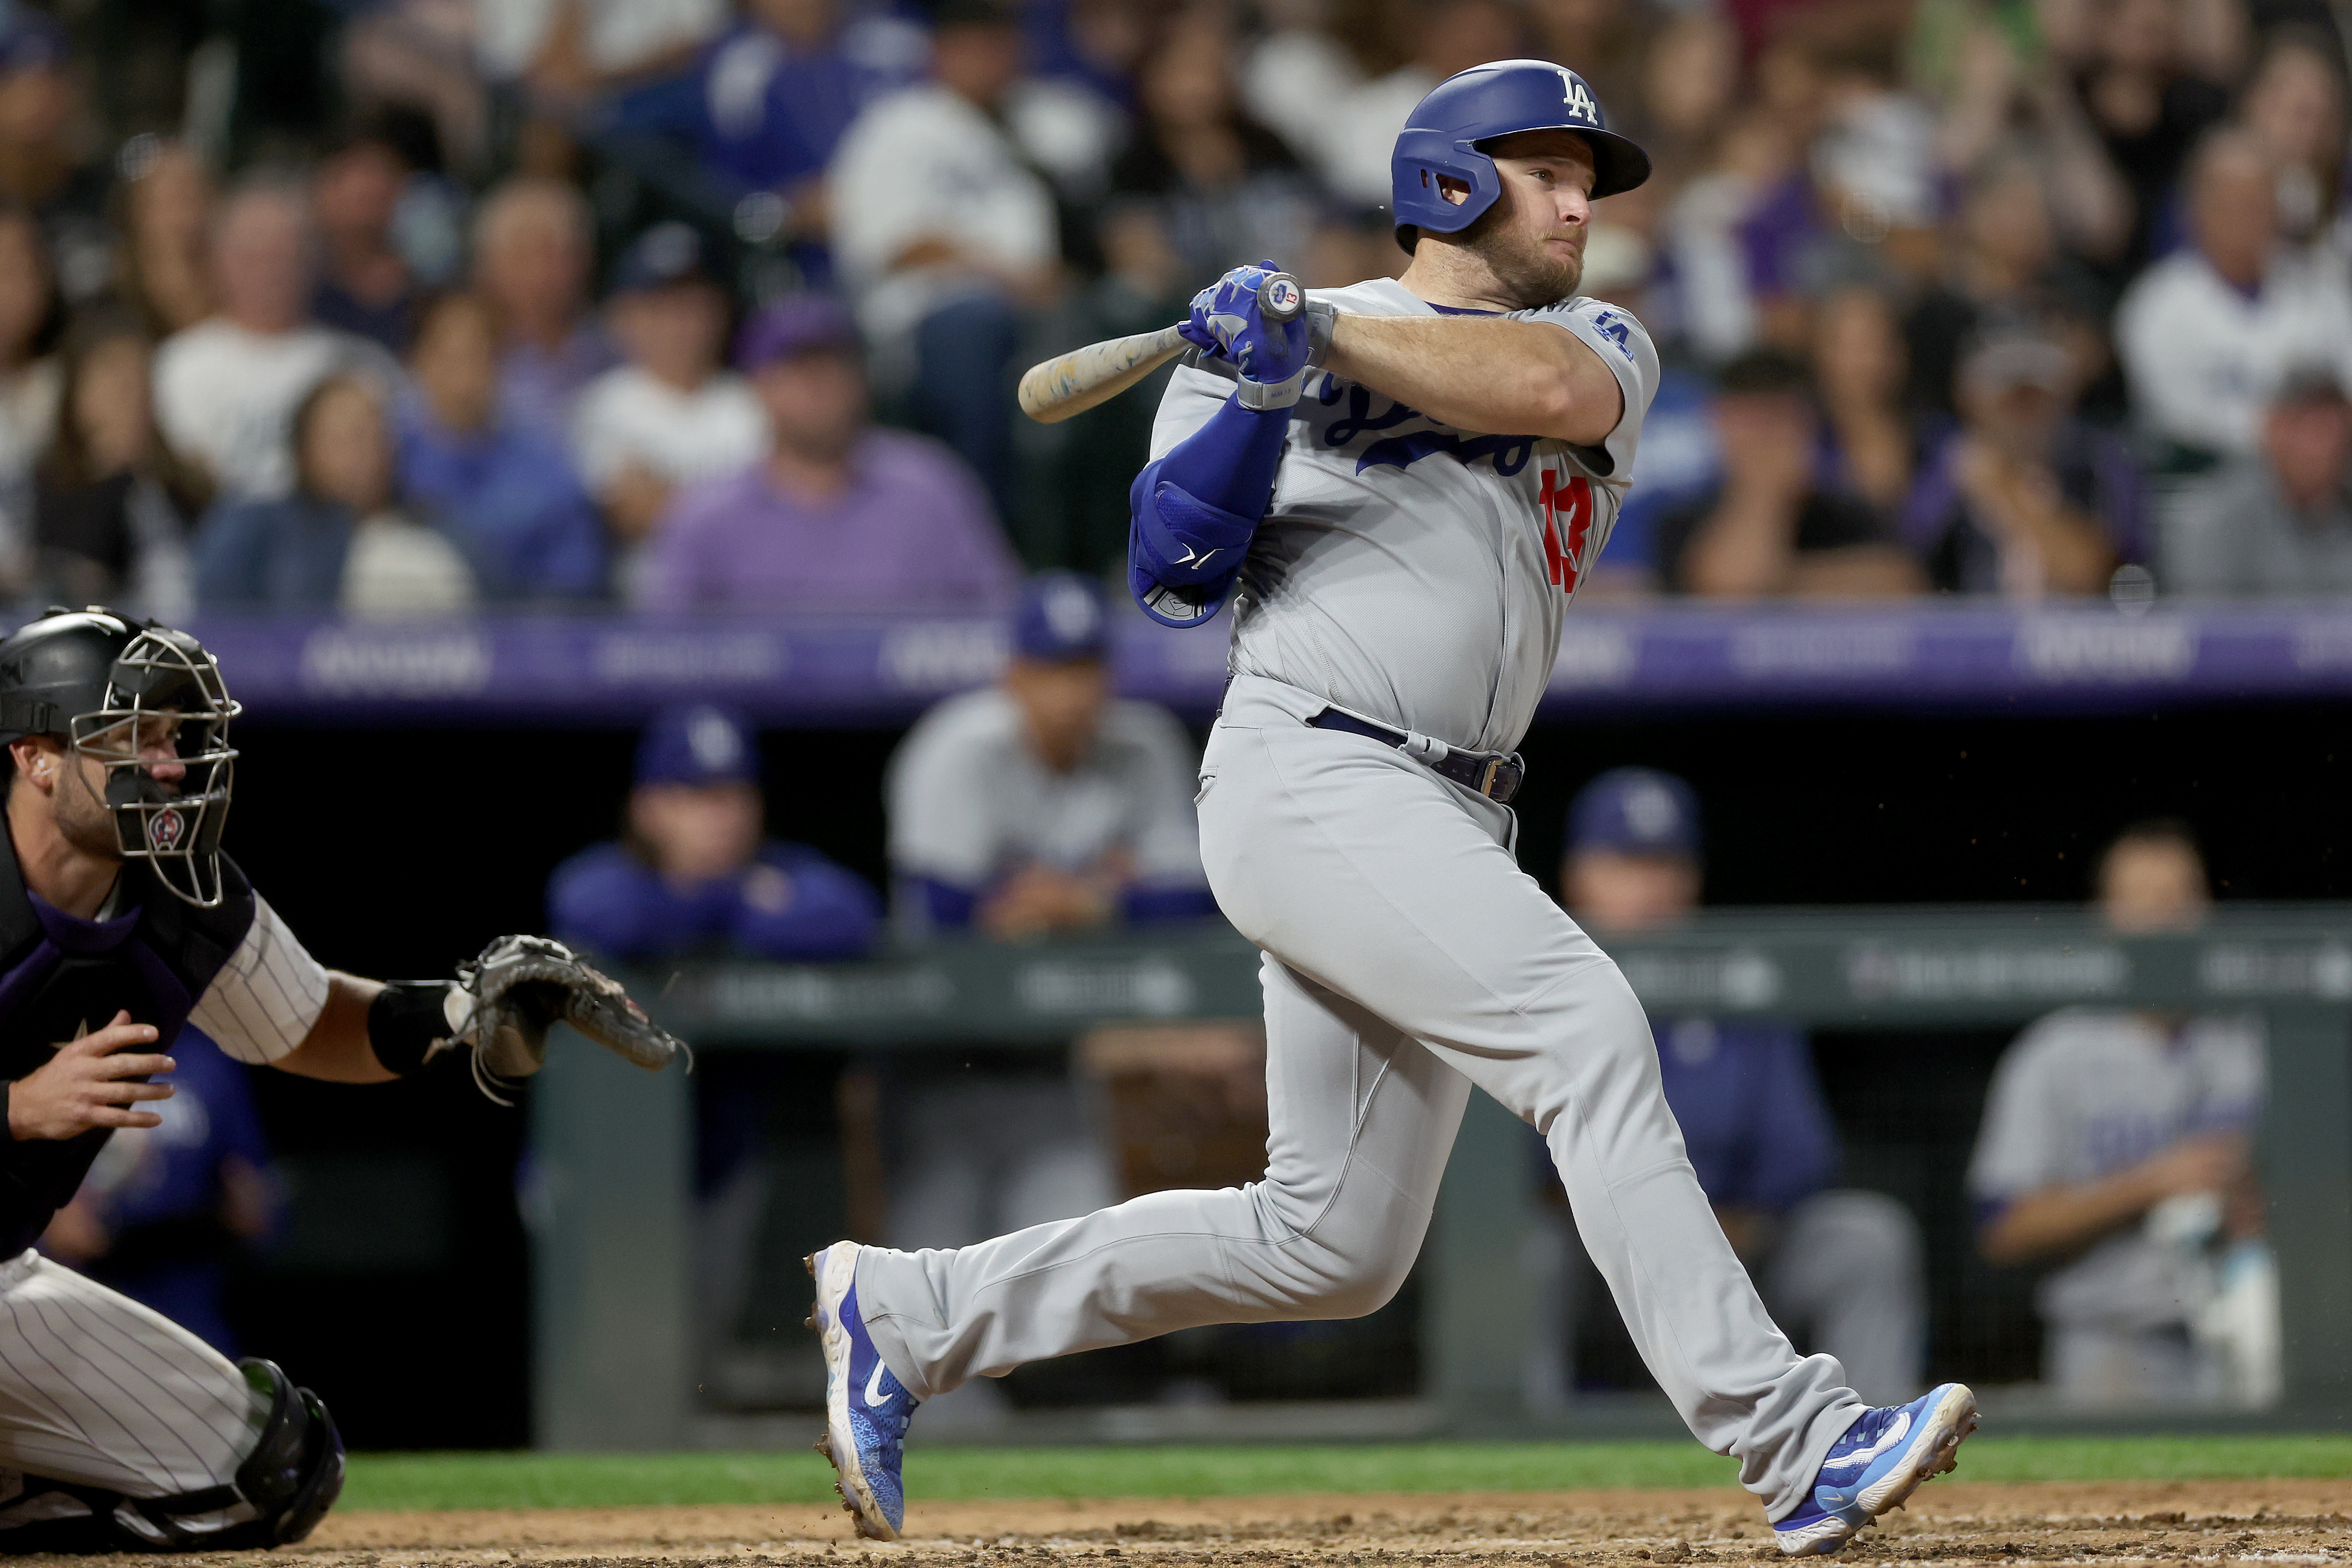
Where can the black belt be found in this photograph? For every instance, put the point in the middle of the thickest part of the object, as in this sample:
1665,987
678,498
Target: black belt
1498,775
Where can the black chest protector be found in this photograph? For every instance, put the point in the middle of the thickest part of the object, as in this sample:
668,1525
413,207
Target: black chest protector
61,977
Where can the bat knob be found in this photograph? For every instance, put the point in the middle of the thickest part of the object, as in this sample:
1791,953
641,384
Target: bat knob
1280,298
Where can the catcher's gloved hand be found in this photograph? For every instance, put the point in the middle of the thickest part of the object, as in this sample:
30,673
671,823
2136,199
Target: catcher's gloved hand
1229,319
521,986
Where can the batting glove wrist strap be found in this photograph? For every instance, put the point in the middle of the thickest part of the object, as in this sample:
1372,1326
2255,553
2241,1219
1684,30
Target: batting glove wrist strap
1258,396
1321,318
410,1021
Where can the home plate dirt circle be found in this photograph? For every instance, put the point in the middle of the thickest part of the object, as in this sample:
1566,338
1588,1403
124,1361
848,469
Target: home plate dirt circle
1949,1521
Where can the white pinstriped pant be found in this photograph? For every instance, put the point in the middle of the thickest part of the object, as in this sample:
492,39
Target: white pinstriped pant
99,1390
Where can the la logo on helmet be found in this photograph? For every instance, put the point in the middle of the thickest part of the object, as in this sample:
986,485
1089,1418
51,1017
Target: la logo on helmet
1578,101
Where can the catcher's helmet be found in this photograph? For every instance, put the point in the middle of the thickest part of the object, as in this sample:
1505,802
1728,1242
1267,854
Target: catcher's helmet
94,679
1442,137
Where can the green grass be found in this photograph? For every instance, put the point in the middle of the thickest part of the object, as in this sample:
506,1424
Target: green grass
605,1481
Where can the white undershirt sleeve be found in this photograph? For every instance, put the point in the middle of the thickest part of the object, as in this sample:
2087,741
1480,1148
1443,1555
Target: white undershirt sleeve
267,995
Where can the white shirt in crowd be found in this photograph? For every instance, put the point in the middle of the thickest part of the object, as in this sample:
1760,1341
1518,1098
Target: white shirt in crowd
630,416
397,568
617,34
1294,81
926,161
971,800
2202,358
225,397
2085,1093
1353,144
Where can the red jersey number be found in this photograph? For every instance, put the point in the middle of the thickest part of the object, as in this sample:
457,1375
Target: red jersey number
1567,523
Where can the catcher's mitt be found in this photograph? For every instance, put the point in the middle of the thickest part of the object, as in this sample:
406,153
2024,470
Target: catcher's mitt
522,986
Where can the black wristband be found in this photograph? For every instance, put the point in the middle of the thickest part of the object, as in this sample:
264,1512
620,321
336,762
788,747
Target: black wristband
406,1022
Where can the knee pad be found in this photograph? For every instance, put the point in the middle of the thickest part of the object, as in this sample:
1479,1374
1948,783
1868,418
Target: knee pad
280,1492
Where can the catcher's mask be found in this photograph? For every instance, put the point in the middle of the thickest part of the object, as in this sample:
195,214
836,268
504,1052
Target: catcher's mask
134,697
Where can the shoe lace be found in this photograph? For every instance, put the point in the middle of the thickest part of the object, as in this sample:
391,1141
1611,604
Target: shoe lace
1866,1429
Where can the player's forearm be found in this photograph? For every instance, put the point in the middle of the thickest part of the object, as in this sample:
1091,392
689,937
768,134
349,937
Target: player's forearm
337,1048
1492,376
2065,1219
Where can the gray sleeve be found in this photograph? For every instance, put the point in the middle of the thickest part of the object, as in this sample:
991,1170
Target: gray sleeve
1625,346
267,996
941,825
2020,1144
1167,833
2206,545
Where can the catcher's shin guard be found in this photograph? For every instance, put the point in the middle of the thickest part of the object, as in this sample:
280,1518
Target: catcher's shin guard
296,1472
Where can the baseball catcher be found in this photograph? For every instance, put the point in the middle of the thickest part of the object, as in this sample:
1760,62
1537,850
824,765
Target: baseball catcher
121,920
1398,486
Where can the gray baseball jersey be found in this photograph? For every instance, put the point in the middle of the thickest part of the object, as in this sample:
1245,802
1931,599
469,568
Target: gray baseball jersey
1413,573
2085,1093
971,800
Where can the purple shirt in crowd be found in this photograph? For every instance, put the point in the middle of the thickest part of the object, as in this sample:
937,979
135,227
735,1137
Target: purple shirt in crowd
913,530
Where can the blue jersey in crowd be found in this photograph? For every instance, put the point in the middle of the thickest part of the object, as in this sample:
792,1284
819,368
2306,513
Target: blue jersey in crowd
791,902
1750,1108
511,497
770,114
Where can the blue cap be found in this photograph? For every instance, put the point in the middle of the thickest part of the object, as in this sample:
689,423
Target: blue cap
698,744
1061,619
1635,811
665,254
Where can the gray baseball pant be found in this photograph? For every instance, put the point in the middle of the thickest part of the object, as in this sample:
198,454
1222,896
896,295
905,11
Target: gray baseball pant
1407,959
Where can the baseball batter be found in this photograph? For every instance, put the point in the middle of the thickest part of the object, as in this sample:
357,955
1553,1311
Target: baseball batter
1398,492
120,921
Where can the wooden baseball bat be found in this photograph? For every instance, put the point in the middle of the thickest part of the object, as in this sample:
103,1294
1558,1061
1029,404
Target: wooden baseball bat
1077,381
1074,381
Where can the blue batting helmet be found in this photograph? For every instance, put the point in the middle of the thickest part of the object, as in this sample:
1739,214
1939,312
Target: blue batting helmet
1442,137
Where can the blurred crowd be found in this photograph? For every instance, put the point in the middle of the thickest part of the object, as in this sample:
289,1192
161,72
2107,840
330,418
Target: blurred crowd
412,305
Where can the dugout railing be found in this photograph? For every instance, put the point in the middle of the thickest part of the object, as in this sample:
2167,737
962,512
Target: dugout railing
609,1194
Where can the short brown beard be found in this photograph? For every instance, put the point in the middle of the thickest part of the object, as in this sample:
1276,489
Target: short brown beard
1530,275
83,817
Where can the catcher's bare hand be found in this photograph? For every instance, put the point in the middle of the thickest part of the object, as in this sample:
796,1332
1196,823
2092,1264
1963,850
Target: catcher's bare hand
91,1083
521,986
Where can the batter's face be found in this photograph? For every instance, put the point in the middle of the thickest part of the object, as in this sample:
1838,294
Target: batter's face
1532,239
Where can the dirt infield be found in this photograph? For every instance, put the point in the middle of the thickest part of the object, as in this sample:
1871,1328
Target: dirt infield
1949,1521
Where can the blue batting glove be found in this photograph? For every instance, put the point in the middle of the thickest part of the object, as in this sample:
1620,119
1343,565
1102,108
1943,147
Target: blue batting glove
1228,321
